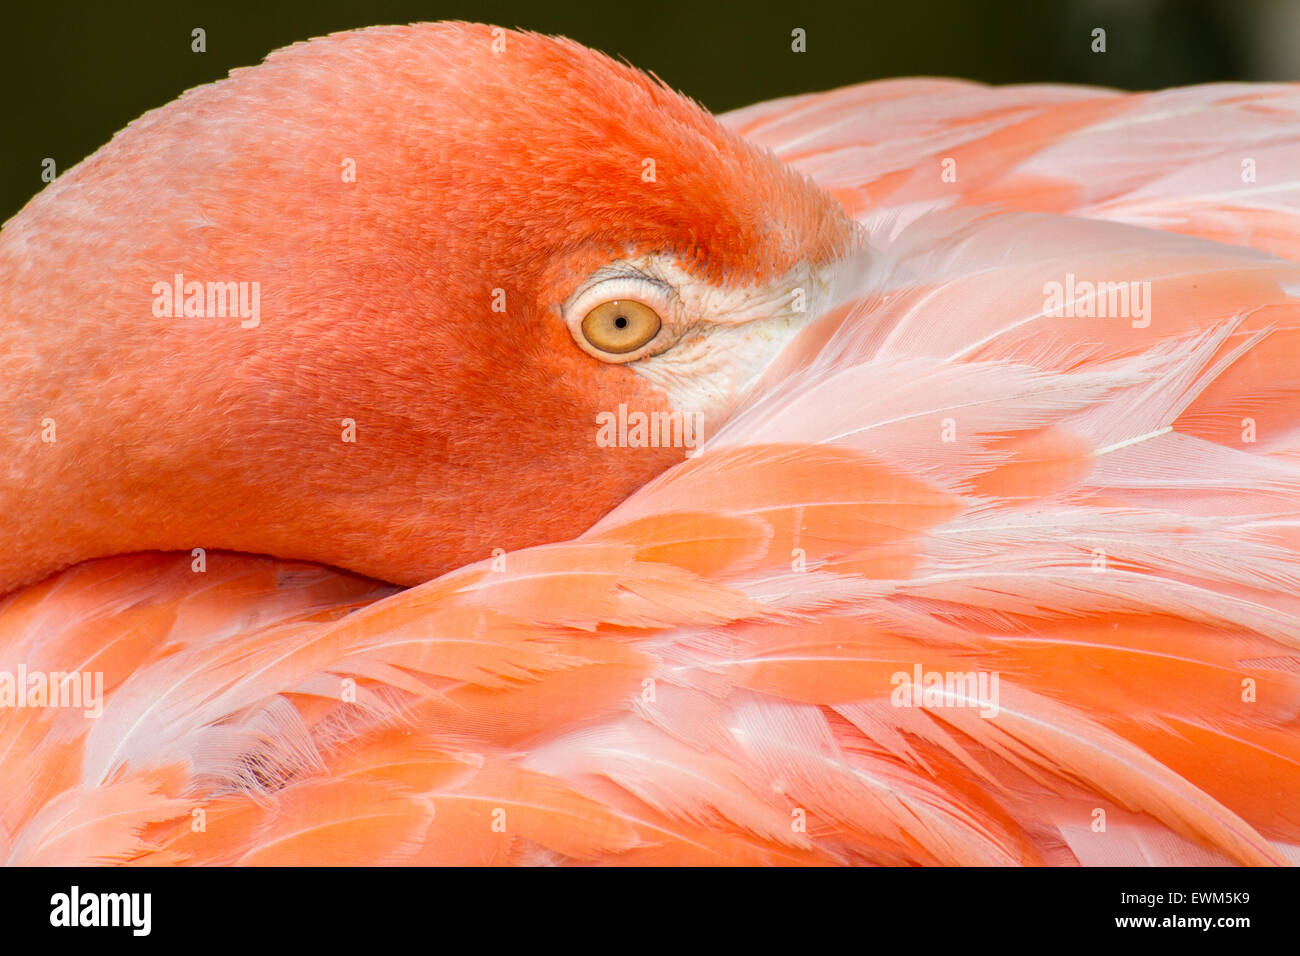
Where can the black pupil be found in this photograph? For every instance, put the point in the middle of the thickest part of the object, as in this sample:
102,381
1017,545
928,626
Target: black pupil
621,322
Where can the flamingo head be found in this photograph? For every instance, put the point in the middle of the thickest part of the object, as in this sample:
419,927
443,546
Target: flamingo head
492,283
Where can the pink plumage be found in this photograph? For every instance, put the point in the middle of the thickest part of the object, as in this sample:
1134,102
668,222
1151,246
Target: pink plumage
995,563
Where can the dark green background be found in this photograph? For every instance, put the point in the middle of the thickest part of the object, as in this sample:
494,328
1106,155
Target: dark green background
75,74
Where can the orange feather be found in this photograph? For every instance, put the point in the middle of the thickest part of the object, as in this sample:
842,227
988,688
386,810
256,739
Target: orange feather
960,578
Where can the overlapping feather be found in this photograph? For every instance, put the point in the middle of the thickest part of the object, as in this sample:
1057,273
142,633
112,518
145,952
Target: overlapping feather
940,474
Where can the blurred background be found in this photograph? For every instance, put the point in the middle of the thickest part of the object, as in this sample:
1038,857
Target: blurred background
74,74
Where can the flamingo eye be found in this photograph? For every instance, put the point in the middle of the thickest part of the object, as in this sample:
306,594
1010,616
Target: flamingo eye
620,325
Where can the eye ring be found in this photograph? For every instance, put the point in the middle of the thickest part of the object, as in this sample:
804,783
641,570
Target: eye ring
646,306
619,326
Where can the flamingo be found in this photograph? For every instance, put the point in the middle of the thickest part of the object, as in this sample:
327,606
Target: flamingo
966,533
